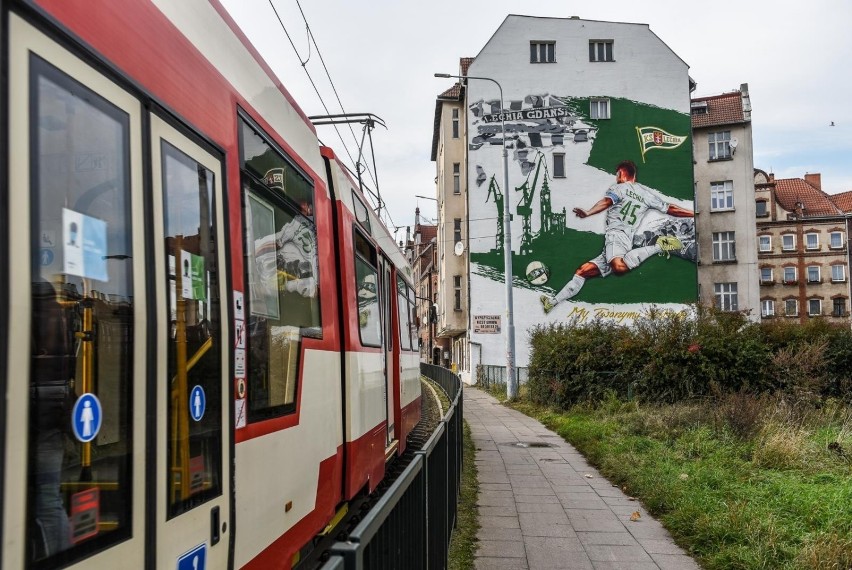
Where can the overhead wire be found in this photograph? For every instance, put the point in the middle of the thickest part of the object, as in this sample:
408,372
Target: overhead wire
303,63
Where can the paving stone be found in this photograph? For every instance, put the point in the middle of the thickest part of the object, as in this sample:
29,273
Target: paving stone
500,548
538,510
507,511
675,562
499,522
617,553
660,546
549,507
500,564
607,538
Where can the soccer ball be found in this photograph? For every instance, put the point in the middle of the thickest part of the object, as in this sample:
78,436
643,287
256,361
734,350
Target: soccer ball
537,273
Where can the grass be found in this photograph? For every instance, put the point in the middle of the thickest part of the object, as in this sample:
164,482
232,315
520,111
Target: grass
463,540
739,484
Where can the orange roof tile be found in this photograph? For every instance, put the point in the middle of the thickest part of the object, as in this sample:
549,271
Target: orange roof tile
464,64
427,233
451,93
843,201
790,191
723,109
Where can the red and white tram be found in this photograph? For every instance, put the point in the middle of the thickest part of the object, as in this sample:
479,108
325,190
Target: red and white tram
205,331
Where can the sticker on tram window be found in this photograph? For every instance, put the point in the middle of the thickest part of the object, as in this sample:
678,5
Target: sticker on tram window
239,306
86,417
85,514
192,275
84,245
240,362
195,559
239,413
196,474
239,334
197,403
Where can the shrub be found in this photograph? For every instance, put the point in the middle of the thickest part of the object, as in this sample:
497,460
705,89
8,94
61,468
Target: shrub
668,357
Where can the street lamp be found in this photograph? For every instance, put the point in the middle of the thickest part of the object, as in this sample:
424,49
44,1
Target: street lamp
511,379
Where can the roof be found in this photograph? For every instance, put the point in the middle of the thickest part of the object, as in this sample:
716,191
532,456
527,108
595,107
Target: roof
726,109
427,233
791,191
843,201
454,93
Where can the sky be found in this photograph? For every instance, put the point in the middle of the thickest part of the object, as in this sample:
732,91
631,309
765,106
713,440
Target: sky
382,56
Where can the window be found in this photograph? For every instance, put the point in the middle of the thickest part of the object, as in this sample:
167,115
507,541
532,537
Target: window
838,273
457,237
281,273
367,292
724,246
767,308
720,145
457,289
764,243
558,165
542,52
362,215
836,240
456,178
839,307
813,274
789,275
760,209
814,307
194,451
766,275
599,109
81,198
812,241
600,50
726,296
791,307
405,309
788,242
455,123
722,195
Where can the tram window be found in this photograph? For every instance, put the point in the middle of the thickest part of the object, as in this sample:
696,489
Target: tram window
79,488
367,299
194,462
361,213
404,312
282,278
269,166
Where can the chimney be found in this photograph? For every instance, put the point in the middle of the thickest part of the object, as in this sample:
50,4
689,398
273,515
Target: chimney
416,217
407,234
814,180
771,177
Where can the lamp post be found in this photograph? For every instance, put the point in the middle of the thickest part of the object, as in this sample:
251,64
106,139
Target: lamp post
511,379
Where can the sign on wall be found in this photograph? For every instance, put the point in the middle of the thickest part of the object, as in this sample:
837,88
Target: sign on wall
486,324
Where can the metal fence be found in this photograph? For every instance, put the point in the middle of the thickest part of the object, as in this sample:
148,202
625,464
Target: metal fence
488,375
410,526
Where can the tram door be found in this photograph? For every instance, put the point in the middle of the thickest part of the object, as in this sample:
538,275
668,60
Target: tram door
75,454
192,506
390,339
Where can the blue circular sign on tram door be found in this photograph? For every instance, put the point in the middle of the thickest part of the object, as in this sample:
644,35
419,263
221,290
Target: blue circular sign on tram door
86,417
197,402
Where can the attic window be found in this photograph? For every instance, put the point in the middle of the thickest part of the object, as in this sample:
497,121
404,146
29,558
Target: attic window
542,52
699,107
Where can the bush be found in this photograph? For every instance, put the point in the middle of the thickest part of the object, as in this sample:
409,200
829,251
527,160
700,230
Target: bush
667,357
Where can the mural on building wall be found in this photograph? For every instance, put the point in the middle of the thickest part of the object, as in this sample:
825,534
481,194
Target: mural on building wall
602,208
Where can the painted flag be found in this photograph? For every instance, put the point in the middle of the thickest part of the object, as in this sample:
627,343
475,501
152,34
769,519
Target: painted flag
651,138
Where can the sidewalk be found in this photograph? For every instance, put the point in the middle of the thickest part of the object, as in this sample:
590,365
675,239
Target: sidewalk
539,510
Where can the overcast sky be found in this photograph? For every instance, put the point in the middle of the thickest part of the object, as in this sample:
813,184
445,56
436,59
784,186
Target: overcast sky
382,54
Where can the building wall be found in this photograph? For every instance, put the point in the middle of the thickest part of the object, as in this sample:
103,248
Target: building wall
739,170
549,118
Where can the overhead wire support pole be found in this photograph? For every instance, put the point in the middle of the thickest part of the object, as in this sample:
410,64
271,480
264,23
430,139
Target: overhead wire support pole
369,121
511,377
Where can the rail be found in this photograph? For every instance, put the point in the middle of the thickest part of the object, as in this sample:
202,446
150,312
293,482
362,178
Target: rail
410,526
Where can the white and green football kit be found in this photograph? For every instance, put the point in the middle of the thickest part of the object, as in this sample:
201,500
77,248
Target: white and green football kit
630,202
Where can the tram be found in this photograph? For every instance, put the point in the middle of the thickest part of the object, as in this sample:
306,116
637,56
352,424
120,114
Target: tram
206,332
